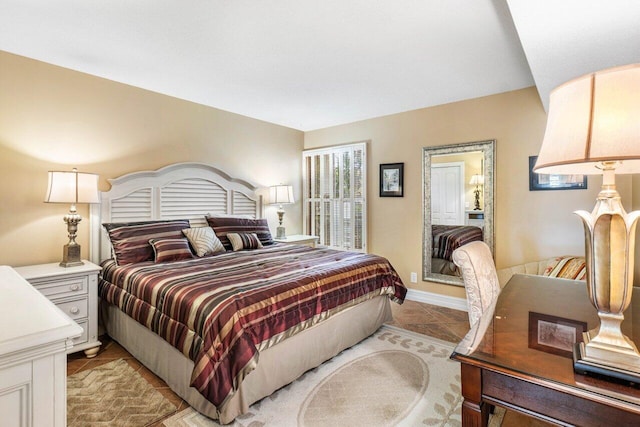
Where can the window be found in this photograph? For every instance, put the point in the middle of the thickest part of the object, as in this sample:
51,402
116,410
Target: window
334,196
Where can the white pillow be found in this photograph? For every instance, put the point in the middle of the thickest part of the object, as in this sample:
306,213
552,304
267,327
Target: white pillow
203,240
198,222
221,215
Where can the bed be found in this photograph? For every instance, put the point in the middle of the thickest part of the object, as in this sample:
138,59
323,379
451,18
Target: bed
228,329
446,239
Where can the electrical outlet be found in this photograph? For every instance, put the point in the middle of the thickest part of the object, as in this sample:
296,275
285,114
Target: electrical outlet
414,277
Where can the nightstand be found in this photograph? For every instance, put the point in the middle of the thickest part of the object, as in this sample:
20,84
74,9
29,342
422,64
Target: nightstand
75,291
474,218
298,239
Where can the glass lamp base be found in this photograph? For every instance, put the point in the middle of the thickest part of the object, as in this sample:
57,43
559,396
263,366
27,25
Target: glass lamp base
280,233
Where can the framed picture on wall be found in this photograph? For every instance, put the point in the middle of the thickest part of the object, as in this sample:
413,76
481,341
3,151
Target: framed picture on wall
542,181
392,180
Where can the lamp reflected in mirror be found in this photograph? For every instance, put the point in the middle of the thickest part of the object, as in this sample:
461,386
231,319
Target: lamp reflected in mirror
478,181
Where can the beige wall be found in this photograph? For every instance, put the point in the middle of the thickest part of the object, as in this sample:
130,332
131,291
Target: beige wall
528,225
55,118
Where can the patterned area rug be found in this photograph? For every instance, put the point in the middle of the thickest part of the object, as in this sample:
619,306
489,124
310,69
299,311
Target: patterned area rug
113,395
394,377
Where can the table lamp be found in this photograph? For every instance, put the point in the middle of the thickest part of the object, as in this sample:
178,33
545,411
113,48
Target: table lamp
281,195
593,127
477,180
72,187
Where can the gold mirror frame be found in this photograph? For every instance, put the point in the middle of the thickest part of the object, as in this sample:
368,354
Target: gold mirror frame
488,150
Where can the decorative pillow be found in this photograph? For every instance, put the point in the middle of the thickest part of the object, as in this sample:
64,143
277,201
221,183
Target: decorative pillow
567,267
240,241
203,240
224,225
168,250
130,241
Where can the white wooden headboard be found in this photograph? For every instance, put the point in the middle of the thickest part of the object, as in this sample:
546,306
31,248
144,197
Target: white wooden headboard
178,191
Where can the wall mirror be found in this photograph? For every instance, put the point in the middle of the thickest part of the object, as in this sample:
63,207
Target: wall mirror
458,189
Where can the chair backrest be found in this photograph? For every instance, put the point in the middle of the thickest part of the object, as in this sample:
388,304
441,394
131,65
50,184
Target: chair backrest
479,275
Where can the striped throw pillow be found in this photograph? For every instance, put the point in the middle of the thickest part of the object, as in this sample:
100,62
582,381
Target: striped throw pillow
225,225
567,267
203,240
130,240
169,250
240,241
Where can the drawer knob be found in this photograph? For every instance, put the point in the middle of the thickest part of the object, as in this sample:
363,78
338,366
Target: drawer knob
74,287
74,310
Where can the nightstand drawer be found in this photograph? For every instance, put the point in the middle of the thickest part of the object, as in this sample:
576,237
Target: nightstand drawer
76,309
54,289
82,338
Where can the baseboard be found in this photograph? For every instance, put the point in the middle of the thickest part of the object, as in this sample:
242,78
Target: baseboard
437,299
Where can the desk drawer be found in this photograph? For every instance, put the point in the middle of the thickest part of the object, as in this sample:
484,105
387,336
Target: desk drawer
76,309
62,288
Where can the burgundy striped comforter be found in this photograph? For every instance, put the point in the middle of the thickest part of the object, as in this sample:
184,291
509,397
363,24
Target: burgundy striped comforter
448,238
220,311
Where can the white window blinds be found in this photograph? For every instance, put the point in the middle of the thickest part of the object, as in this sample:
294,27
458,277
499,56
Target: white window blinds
334,196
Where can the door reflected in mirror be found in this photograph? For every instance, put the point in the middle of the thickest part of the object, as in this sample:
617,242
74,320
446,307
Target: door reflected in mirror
458,204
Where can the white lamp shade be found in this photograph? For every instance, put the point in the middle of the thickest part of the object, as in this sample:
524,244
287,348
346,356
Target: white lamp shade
281,194
72,187
592,119
477,180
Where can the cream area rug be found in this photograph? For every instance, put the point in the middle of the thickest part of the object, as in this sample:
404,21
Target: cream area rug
113,395
394,377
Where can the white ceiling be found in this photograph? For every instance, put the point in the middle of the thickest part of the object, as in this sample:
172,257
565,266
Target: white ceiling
309,64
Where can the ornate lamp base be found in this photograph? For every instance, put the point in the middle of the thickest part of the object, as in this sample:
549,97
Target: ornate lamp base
280,232
71,251
477,198
609,255
71,256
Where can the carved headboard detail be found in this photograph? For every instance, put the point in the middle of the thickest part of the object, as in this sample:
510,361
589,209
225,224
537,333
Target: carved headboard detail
178,191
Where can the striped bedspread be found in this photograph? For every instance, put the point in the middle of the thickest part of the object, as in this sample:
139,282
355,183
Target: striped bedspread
448,238
220,311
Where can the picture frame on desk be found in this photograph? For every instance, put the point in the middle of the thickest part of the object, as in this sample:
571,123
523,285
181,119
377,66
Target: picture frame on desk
541,181
553,334
392,180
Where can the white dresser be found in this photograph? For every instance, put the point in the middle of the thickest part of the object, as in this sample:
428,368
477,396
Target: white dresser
34,339
75,291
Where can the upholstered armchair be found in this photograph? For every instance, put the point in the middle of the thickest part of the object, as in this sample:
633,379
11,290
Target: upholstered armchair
479,275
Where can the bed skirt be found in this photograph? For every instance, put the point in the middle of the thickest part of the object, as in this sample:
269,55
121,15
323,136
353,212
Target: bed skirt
277,366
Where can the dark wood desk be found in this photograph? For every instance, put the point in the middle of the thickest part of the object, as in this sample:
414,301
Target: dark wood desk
498,366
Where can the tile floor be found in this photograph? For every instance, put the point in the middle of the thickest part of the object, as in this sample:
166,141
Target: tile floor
440,322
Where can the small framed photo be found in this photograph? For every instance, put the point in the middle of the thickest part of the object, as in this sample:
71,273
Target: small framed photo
541,181
554,334
392,180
